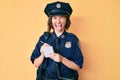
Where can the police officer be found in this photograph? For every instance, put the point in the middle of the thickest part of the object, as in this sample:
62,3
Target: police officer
67,57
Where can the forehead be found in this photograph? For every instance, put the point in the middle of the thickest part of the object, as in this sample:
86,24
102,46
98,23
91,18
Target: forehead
59,16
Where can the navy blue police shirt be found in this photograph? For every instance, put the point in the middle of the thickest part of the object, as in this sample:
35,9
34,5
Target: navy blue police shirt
69,47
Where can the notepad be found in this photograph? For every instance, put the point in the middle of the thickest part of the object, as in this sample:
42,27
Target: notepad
47,50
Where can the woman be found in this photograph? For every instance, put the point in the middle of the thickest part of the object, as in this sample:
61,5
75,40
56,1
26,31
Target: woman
67,57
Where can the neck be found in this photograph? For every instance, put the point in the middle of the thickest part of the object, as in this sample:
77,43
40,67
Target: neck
58,33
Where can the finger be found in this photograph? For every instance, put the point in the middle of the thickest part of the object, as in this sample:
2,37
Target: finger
45,44
51,57
42,53
52,53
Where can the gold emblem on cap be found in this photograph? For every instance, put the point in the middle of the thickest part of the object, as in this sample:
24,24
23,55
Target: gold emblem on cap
68,45
58,5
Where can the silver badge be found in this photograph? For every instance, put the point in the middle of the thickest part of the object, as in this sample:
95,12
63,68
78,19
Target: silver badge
58,5
68,45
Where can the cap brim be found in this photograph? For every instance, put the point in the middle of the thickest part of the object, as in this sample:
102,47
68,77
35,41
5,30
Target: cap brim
58,12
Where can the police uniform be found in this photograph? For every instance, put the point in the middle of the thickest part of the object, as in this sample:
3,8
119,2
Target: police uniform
67,46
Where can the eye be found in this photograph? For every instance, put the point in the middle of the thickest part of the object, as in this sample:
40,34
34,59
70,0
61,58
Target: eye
62,17
54,17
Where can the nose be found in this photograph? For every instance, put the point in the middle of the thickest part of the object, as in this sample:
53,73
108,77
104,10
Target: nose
58,20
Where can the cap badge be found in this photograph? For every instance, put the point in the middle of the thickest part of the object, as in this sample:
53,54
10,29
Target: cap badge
58,5
68,45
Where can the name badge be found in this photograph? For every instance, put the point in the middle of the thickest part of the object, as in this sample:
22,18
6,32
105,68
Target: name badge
68,44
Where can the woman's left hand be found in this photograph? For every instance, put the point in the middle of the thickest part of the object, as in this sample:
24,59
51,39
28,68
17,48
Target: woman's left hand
56,57
59,58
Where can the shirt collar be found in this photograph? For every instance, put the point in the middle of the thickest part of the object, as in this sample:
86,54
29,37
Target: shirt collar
62,36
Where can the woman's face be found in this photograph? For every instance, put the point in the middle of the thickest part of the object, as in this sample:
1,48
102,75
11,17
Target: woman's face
58,23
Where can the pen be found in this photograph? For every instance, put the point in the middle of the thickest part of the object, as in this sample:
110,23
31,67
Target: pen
42,42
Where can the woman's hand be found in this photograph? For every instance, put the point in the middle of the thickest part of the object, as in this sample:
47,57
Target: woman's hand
59,58
56,57
45,44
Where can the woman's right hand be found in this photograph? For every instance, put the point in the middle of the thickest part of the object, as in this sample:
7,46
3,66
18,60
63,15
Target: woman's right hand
45,44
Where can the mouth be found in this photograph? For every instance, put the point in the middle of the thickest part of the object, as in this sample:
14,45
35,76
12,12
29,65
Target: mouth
58,25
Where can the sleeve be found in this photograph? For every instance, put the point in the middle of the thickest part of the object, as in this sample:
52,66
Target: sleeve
77,54
36,52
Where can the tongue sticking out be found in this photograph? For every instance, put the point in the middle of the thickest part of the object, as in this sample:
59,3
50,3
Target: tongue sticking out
58,25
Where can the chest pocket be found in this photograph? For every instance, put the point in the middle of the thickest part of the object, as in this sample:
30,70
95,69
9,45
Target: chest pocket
66,49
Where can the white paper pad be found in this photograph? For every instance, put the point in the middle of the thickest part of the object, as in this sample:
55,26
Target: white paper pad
47,50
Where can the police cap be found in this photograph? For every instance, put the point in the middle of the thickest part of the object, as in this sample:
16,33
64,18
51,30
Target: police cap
58,8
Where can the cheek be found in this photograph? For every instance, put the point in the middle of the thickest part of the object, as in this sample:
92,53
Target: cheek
64,23
53,22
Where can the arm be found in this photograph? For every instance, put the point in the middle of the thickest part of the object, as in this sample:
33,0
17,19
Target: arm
37,56
70,64
38,61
